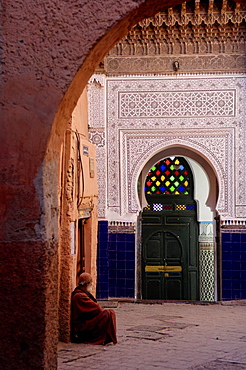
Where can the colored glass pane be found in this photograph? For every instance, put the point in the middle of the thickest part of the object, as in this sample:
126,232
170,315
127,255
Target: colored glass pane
168,176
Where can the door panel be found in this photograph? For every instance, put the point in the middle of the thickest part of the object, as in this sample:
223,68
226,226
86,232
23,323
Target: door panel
170,259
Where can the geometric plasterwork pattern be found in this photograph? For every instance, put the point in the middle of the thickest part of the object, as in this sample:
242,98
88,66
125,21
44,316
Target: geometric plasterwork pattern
215,130
177,104
96,123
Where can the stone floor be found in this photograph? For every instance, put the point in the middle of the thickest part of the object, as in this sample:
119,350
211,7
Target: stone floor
167,336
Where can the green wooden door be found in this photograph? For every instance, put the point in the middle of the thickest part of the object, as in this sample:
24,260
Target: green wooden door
169,233
170,257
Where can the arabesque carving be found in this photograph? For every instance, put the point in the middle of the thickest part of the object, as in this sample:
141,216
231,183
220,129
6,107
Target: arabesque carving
213,33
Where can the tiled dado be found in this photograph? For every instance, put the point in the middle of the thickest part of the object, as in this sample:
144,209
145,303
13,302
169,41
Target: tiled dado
115,261
206,271
233,264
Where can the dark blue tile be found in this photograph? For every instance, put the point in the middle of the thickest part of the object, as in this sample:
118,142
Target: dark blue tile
227,284
235,275
130,238
243,275
121,256
121,274
226,265
130,255
226,256
103,237
120,237
121,246
112,265
102,245
226,237
235,237
130,293
243,294
236,284
112,274
102,253
121,283
112,255
102,294
243,237
236,256
103,225
236,266
103,279
226,274
102,270
121,265
131,265
129,284
130,274
112,237
112,246
121,292
226,294
236,294
103,262
112,292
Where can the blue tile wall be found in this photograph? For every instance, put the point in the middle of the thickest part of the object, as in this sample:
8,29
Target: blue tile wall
233,266
115,263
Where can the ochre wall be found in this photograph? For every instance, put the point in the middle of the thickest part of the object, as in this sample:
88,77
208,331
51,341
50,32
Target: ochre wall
50,49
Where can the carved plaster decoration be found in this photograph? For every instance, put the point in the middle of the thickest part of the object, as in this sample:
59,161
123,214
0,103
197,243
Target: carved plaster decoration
204,114
70,181
201,37
201,141
95,92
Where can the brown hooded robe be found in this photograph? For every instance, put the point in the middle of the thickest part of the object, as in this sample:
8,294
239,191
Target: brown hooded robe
90,323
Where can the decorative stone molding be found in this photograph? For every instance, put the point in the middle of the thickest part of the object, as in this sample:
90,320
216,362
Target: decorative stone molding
200,37
121,227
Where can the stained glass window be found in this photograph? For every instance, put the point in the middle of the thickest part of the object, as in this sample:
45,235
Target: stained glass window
169,176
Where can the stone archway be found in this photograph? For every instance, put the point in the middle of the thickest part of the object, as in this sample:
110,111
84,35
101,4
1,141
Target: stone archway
44,45
49,52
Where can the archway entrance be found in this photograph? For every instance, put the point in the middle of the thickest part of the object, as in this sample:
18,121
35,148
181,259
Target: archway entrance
170,255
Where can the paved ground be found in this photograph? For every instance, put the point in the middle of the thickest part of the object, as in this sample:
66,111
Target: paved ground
167,336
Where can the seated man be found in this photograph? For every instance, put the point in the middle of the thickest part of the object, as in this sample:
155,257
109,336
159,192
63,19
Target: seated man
90,323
